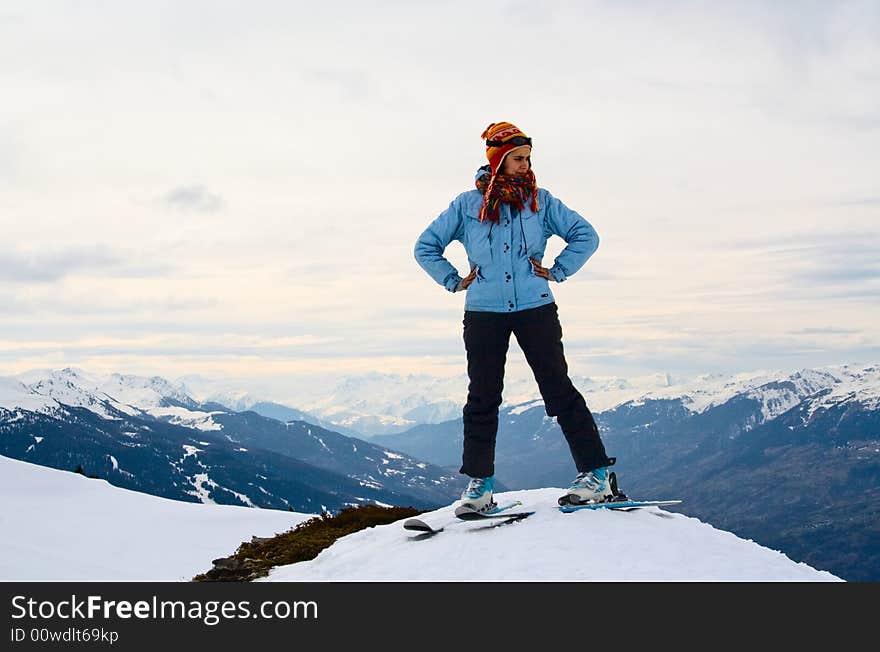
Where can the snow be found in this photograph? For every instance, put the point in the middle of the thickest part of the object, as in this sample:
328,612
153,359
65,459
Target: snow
183,417
588,546
74,388
380,403
140,391
523,407
860,384
61,526
16,395
42,390
376,403
218,391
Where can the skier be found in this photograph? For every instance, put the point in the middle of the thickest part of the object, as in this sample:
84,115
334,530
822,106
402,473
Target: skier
504,225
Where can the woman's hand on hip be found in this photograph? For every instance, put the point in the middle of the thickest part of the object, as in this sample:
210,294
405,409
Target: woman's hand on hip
543,272
467,280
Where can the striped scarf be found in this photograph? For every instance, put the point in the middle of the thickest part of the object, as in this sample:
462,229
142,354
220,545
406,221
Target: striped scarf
508,189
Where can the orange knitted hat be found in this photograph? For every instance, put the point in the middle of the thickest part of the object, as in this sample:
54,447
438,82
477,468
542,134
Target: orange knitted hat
501,138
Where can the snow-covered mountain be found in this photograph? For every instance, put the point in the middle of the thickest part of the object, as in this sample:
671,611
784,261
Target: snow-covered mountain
237,398
775,393
61,526
778,391
383,403
380,403
207,390
145,433
105,395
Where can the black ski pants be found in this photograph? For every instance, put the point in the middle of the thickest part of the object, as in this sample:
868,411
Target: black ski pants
539,335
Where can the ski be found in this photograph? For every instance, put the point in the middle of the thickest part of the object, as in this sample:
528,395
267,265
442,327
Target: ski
418,525
503,512
618,504
466,513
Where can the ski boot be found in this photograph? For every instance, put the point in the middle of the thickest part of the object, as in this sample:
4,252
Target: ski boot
478,494
595,486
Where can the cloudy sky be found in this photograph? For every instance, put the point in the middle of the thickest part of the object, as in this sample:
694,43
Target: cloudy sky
234,189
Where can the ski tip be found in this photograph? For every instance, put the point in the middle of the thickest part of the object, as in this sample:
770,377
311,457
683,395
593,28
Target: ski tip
417,525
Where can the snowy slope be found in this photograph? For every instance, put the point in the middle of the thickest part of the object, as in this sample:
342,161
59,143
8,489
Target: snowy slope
594,546
61,526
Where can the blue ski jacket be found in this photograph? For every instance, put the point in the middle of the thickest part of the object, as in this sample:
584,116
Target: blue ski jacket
506,280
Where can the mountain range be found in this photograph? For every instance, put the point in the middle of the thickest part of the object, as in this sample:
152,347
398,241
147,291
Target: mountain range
788,459
379,403
145,434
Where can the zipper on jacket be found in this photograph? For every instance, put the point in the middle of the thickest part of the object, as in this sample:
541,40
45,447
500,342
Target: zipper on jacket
491,248
525,243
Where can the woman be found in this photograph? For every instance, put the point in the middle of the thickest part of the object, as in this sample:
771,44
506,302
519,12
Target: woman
504,225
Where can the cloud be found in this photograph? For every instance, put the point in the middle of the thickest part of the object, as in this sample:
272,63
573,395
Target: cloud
51,266
849,260
841,271
169,344
826,264
825,331
343,139
9,18
723,352
866,202
192,199
351,84
10,153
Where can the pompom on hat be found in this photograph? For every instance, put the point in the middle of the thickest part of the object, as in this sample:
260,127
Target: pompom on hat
501,138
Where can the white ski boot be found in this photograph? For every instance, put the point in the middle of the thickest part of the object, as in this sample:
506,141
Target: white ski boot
595,486
478,494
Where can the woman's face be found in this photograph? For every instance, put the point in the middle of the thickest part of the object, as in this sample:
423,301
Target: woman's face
517,162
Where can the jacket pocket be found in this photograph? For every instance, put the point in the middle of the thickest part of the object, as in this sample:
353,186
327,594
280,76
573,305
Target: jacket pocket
533,288
479,293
